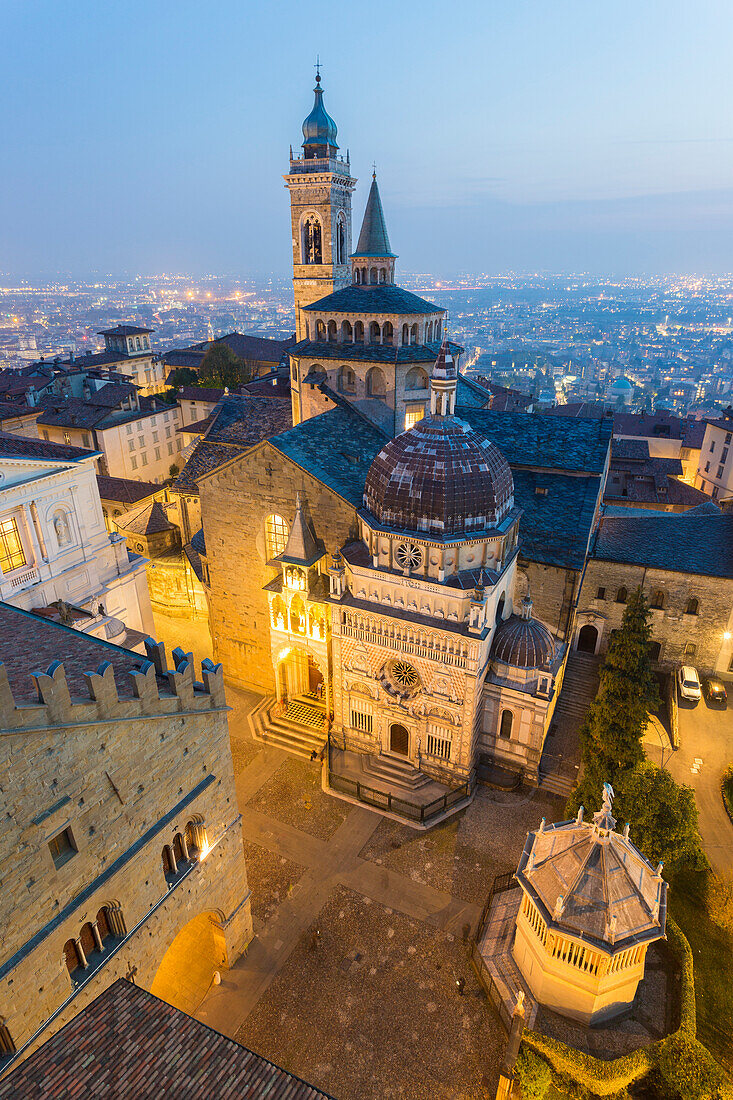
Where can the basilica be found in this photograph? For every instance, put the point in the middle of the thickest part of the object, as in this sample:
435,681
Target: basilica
397,572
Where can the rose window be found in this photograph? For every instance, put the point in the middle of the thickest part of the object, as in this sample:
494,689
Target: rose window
408,555
400,679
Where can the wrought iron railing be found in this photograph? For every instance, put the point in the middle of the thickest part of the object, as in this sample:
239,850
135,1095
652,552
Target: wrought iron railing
498,886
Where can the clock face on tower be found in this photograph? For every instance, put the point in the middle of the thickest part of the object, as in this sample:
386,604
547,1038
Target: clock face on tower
408,555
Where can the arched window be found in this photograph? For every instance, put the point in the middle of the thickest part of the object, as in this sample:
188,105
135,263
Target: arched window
311,248
375,332
7,1046
413,334
438,329
170,866
505,728
405,335
347,332
383,275
332,332
373,276
347,380
622,595
387,333
294,371
657,601
358,332
87,940
416,379
73,958
693,606
104,925
320,330
297,615
340,241
193,846
179,850
429,332
376,385
357,276
500,608
276,536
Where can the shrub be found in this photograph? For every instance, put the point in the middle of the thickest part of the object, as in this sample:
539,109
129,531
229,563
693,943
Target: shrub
688,1068
534,1074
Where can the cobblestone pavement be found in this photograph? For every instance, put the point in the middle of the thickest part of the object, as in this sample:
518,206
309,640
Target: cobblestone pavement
350,980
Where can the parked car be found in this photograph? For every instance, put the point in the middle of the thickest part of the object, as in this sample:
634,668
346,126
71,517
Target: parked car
689,683
715,690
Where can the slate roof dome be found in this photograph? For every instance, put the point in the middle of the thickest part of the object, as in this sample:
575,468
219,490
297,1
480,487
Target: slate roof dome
319,128
523,642
441,479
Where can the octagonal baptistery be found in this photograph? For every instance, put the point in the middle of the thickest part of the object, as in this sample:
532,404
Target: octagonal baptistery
442,480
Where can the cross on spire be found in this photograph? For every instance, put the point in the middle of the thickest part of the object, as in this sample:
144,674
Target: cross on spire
374,169
317,67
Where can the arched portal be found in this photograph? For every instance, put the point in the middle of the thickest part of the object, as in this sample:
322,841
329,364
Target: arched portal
587,638
399,739
299,675
187,968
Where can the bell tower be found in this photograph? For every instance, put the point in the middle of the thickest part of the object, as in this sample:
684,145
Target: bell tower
320,185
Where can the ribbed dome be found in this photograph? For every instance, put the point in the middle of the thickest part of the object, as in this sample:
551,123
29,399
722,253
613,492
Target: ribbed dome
439,478
319,128
523,642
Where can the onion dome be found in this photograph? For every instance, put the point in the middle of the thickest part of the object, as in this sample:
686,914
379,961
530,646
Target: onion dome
592,882
319,128
523,642
440,478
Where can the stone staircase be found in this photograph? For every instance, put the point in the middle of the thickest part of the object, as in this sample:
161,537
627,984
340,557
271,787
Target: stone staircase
398,773
561,752
287,732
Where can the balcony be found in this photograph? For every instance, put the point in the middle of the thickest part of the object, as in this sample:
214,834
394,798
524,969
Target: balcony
24,579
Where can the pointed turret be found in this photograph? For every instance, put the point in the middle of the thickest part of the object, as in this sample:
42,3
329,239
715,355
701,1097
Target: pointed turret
373,239
443,383
303,546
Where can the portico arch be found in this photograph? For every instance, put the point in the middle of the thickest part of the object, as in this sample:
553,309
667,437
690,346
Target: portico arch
587,641
186,970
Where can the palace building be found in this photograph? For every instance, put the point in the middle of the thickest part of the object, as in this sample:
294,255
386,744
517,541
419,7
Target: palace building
400,568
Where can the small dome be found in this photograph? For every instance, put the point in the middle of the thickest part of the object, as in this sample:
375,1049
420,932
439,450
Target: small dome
440,478
621,385
319,128
522,641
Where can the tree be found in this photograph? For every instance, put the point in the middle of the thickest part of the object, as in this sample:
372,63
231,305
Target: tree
174,470
222,369
689,1071
611,735
662,816
181,376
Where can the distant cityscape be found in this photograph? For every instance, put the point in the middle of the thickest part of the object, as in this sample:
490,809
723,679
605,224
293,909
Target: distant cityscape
657,344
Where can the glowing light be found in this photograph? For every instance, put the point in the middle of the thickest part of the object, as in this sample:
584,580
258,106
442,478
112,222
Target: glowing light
727,636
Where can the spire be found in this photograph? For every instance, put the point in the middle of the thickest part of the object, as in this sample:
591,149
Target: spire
373,239
443,383
319,129
302,547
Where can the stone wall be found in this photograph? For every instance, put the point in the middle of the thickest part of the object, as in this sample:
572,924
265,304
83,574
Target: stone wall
672,627
174,587
553,591
235,502
124,771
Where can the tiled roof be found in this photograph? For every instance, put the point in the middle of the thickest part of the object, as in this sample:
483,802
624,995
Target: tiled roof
697,541
543,441
369,353
128,1043
558,511
123,489
199,542
262,348
523,642
373,299
594,410
269,385
125,330
151,519
237,423
660,426
17,446
199,393
196,427
9,410
29,644
181,357
111,395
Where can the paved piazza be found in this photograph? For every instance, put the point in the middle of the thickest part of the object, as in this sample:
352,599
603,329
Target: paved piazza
360,926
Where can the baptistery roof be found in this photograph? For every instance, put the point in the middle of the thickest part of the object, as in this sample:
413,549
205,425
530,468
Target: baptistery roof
523,642
440,478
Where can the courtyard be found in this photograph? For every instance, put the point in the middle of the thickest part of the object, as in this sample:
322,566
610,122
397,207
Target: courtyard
361,930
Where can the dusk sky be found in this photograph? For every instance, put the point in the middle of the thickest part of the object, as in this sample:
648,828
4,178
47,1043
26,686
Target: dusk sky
146,136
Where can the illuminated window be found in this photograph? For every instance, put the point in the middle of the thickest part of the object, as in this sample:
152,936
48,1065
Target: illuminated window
12,555
276,535
67,437
413,413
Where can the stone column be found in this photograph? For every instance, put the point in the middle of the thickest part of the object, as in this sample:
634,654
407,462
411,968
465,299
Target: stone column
38,530
35,542
82,955
97,937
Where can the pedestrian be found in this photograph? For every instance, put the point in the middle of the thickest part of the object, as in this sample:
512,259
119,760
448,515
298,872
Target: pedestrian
460,985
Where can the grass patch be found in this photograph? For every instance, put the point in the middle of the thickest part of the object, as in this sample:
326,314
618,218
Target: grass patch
712,952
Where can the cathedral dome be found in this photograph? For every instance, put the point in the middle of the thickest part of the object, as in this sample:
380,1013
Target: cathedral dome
319,128
440,478
522,642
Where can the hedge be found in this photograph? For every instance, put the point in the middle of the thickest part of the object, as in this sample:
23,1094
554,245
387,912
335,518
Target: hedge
604,1078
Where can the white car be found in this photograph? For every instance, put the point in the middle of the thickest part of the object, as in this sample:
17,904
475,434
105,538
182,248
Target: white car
689,683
